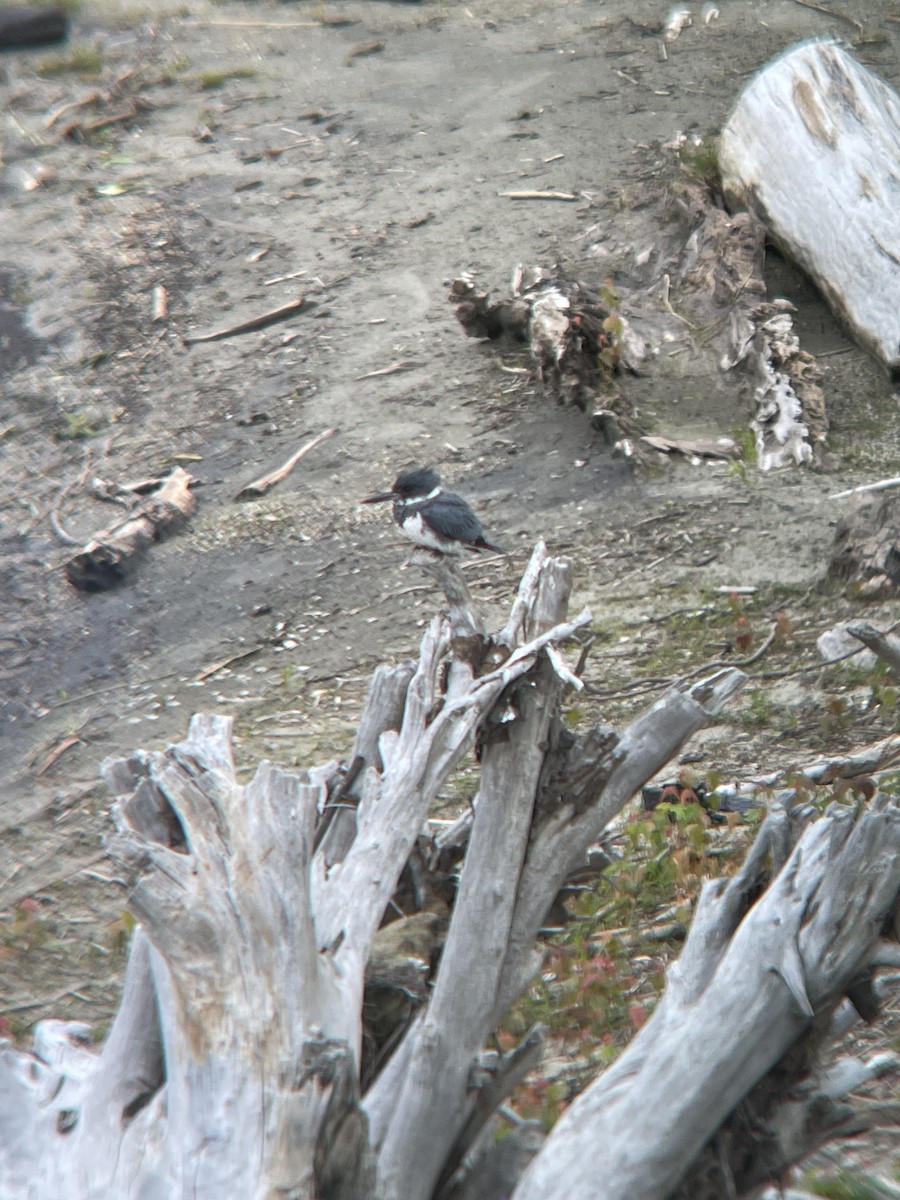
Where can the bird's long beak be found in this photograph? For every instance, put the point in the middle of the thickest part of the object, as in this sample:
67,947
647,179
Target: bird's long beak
377,499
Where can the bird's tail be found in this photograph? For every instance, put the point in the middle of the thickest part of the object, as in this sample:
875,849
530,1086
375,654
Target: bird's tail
481,543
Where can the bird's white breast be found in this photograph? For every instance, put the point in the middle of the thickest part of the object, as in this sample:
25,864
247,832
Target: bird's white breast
423,535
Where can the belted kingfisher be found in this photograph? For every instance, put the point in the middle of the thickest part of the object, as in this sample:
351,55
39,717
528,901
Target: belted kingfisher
431,517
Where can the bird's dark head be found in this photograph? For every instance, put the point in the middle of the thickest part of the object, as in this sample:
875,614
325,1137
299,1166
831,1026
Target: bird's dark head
413,484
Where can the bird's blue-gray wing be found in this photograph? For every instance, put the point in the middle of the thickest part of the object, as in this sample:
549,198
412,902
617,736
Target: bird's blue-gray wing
456,519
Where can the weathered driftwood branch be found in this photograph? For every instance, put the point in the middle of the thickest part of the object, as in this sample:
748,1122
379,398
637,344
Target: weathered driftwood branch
114,552
763,973
886,648
815,125
865,555
234,1063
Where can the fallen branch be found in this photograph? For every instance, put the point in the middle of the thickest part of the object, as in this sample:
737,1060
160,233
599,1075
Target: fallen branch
724,447
882,485
887,649
528,195
113,553
393,369
259,487
269,318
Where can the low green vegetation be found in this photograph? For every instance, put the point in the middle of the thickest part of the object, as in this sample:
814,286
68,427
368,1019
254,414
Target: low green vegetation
82,59
210,80
78,426
700,158
604,968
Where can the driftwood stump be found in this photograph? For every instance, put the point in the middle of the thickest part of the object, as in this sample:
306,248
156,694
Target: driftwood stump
239,1063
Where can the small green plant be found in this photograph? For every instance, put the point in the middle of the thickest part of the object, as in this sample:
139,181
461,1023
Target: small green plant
83,60
745,439
610,342
174,68
760,712
77,426
700,158
210,80
884,691
848,1185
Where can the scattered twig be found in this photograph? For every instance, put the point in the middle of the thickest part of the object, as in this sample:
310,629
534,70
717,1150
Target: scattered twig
583,656
92,97
23,1005
283,278
260,486
57,751
637,687
334,22
227,662
363,51
402,365
719,448
80,128
64,537
882,485
831,12
666,285
159,303
52,514
269,318
887,649
533,195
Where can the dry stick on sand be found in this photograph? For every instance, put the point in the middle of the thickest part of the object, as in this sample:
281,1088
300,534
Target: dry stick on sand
260,486
269,318
363,51
527,195
882,485
403,365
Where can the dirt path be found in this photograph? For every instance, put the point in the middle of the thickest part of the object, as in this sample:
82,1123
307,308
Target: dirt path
269,159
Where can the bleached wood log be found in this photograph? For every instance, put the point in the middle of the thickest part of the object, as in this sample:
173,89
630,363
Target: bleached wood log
246,978
756,973
811,149
887,648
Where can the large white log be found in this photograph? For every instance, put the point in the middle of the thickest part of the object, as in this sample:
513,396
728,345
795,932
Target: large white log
813,150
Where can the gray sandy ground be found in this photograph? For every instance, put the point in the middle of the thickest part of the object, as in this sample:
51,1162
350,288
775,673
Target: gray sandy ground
236,200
